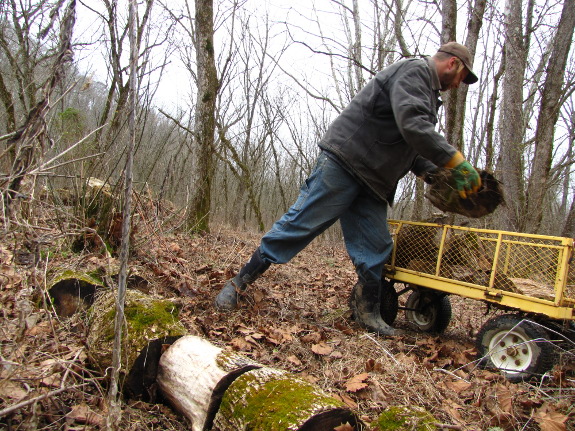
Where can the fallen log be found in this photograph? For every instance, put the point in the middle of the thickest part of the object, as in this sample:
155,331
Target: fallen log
193,375
222,390
147,319
275,400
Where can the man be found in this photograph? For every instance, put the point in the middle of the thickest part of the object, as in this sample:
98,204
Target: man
387,130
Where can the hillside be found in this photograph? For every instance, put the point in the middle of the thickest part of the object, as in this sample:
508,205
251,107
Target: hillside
295,318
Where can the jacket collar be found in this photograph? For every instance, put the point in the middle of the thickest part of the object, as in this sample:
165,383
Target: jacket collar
436,86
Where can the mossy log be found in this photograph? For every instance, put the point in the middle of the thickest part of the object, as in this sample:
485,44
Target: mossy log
405,418
222,390
72,291
275,400
147,319
193,375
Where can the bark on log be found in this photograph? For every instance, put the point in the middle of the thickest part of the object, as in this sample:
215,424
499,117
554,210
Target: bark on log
222,390
193,375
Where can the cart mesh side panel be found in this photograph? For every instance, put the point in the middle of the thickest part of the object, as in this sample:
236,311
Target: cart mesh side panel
527,264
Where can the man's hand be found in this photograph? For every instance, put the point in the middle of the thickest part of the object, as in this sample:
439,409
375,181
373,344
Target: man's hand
466,178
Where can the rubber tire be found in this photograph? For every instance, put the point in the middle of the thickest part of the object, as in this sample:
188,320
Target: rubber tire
435,313
535,359
389,302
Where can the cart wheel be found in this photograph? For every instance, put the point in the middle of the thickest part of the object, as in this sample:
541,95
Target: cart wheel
389,303
428,310
519,348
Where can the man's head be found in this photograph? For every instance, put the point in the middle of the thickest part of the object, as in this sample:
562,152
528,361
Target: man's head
454,65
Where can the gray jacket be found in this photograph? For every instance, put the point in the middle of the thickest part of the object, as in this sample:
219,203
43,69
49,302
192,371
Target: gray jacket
388,128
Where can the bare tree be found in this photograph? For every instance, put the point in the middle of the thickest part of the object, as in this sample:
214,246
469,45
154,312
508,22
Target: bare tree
456,99
204,124
548,115
512,132
31,140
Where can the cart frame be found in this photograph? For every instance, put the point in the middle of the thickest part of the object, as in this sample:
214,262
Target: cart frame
561,308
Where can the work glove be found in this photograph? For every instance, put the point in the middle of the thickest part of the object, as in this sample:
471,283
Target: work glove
466,178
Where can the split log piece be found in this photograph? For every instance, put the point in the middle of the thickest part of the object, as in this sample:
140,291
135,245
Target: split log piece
193,375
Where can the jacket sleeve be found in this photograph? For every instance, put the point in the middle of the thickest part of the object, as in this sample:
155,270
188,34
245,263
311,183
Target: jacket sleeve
413,109
422,166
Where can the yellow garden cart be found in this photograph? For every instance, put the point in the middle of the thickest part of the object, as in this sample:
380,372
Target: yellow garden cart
527,275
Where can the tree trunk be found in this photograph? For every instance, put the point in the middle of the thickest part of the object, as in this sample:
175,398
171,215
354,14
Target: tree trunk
204,128
511,122
548,116
455,100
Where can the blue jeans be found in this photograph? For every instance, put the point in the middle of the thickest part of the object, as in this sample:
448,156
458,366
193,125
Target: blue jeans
329,194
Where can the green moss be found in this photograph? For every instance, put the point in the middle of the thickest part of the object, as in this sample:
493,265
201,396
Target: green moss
146,319
68,274
160,313
405,418
277,401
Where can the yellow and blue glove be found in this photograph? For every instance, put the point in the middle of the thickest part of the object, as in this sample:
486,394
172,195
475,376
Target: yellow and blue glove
466,178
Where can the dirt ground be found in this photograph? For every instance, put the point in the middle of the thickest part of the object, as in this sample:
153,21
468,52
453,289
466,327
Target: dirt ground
296,318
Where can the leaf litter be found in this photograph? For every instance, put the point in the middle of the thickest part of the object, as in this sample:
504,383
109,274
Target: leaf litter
295,318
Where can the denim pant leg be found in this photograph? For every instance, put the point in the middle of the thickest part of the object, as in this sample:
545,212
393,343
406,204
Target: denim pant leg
323,198
367,236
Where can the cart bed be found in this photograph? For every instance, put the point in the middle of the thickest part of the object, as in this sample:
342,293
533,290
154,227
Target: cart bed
521,271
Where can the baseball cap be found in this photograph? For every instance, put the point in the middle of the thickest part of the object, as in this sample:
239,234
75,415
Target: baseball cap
461,52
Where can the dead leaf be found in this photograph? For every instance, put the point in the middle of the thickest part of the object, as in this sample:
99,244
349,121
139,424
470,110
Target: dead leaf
348,401
241,344
344,427
52,381
336,354
294,360
550,420
81,413
41,328
504,399
458,386
309,378
258,295
452,408
321,349
357,383
312,337
12,390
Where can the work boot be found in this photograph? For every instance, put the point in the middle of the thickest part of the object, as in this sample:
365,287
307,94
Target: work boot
227,299
365,307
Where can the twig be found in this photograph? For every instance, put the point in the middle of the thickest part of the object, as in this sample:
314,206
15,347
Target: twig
451,374
448,426
382,348
68,368
18,406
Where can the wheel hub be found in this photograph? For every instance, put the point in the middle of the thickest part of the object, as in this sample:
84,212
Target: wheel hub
510,352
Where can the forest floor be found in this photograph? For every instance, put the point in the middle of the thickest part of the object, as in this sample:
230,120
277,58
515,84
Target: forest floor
296,318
